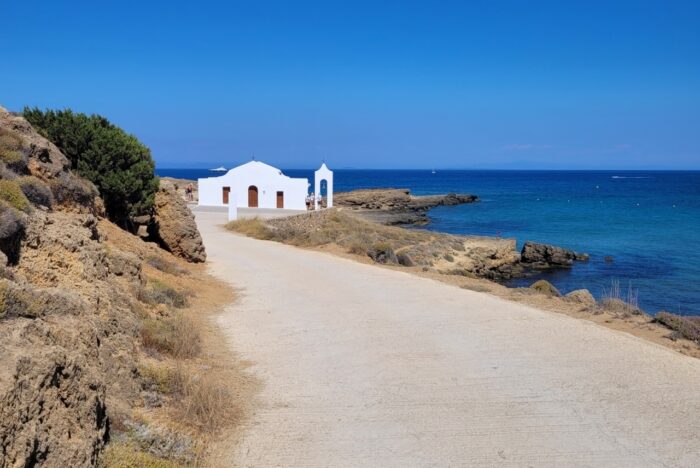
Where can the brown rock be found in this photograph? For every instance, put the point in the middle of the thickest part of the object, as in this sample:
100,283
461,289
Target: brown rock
549,256
546,288
174,227
581,296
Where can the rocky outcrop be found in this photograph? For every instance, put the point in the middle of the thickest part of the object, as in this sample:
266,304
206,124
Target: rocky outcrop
582,297
396,206
546,288
173,225
69,327
36,156
543,256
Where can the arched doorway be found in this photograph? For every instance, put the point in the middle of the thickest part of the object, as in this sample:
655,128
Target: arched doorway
323,193
252,196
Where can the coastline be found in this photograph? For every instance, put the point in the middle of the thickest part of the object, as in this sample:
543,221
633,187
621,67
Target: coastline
618,317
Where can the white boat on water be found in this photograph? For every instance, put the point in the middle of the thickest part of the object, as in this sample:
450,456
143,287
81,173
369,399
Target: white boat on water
218,169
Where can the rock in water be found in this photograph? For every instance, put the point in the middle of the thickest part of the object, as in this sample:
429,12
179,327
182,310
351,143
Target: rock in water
397,206
174,226
549,256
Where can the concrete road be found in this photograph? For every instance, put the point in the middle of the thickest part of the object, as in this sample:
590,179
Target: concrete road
365,366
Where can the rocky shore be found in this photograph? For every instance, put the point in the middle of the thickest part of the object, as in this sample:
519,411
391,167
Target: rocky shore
397,206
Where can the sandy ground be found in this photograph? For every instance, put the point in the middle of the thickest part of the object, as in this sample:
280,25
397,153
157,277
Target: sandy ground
366,366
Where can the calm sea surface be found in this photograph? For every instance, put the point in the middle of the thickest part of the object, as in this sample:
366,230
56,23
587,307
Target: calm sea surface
649,222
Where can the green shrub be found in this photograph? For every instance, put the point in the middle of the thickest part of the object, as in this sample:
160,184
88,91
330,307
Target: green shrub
11,193
118,164
36,191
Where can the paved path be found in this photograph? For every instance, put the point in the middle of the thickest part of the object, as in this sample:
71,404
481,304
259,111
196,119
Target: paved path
364,366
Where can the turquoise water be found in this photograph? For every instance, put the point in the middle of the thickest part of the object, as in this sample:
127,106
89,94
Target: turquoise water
648,222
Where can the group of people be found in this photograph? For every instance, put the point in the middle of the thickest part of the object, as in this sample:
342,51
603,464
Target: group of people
310,199
189,192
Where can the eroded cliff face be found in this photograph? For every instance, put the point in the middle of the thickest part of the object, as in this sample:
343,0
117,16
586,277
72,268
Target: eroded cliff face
69,313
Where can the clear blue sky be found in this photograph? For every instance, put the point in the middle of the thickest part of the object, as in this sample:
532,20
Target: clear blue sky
394,84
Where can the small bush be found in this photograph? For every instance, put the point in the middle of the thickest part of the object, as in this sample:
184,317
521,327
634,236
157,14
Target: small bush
161,293
449,257
619,303
160,378
12,194
36,191
7,173
68,189
176,335
10,141
405,260
684,327
205,402
357,248
382,253
165,266
546,288
15,160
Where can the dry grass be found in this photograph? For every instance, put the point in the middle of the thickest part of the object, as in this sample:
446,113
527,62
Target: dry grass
354,235
205,402
12,194
252,227
169,267
617,302
159,292
123,454
683,327
177,335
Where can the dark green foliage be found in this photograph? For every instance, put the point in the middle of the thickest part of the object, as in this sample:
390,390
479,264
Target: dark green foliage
117,163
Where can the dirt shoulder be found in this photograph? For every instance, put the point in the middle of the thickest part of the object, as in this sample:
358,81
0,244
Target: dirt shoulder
196,392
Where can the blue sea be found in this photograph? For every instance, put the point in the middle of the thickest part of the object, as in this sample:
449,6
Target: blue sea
647,221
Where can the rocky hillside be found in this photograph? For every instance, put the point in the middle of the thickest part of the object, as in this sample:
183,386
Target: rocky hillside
72,306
